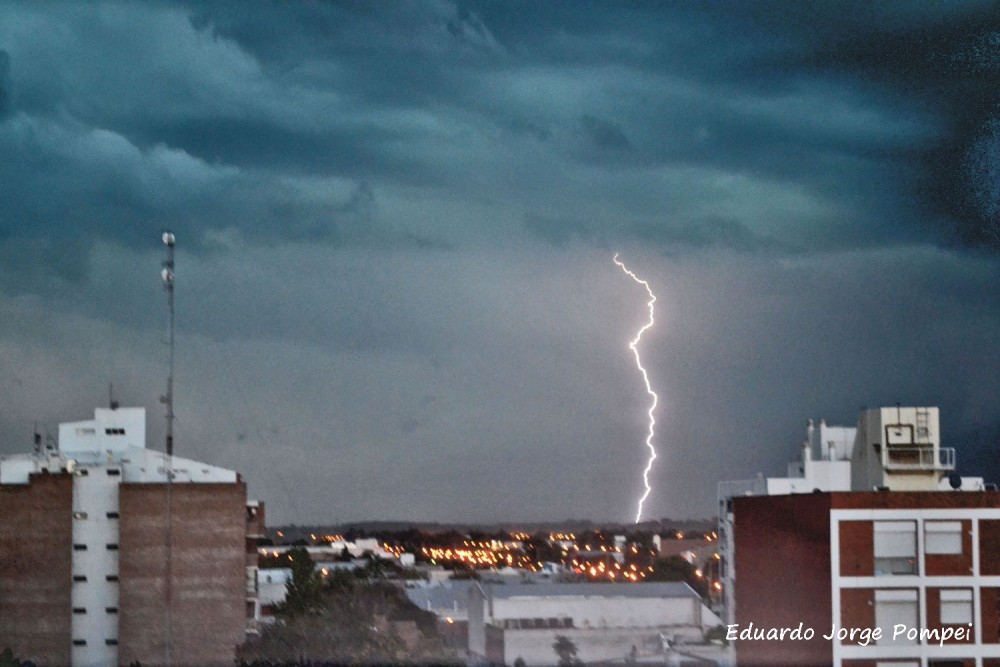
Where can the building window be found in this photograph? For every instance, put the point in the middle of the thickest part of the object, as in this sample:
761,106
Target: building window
956,607
895,607
112,515
85,431
112,577
114,472
79,547
111,610
114,431
943,537
112,547
111,642
79,610
79,515
79,577
895,547
79,642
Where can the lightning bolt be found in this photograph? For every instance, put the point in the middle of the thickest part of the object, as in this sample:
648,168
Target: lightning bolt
649,389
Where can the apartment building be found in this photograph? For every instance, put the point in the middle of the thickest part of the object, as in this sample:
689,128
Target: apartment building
112,553
902,570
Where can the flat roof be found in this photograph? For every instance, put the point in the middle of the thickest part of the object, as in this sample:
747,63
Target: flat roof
665,589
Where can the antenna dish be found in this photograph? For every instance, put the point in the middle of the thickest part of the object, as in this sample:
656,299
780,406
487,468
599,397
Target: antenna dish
168,238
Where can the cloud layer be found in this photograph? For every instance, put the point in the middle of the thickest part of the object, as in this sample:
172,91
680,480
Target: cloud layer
395,225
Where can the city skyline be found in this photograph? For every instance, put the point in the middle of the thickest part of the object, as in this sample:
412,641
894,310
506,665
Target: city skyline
395,228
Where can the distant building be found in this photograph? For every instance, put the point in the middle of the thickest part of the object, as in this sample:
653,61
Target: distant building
604,620
103,562
904,552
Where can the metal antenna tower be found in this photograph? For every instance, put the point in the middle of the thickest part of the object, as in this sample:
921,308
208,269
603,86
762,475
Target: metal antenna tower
168,283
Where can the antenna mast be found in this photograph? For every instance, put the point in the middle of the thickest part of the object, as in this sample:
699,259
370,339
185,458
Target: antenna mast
168,283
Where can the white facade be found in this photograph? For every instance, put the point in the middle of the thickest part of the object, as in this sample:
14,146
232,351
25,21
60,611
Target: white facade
825,464
603,620
101,454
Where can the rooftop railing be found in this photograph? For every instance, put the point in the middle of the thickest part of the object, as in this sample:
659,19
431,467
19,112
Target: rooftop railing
920,458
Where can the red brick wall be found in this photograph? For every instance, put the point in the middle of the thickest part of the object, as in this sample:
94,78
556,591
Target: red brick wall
857,609
989,547
857,549
208,563
36,546
782,563
957,565
990,609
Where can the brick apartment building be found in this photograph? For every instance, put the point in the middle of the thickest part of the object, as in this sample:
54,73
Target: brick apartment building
105,562
903,551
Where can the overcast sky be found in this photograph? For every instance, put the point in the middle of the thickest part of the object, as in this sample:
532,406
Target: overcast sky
395,226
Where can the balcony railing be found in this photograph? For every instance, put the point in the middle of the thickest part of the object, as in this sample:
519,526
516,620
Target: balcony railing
920,458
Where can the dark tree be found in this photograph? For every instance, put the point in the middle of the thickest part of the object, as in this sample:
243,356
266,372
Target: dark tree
566,650
304,592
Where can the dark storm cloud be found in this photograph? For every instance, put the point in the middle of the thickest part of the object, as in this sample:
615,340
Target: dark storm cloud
395,224
861,109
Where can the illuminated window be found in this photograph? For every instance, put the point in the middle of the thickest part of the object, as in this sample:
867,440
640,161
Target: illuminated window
956,607
895,547
943,537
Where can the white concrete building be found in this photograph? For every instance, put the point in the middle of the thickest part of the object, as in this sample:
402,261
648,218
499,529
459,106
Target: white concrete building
604,621
102,457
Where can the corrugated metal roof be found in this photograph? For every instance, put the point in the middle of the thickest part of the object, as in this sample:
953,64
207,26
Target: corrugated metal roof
441,597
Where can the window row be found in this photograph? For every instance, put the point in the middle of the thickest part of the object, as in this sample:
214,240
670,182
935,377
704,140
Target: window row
80,516
82,578
83,547
896,544
83,610
83,642
895,612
